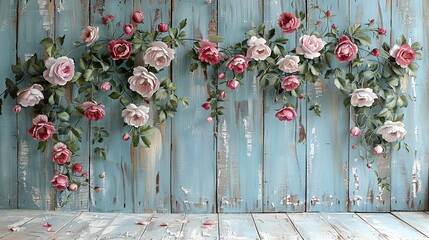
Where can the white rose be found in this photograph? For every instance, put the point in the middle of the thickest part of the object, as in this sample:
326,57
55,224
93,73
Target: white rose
363,97
288,64
89,35
257,49
392,131
135,116
310,46
59,70
159,55
30,96
143,82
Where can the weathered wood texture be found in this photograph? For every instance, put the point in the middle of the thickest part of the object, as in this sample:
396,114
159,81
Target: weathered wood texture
245,161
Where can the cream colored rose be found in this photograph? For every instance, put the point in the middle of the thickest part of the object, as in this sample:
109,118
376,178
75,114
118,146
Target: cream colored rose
30,96
363,97
310,46
135,116
392,131
288,64
143,82
257,49
59,70
89,35
159,55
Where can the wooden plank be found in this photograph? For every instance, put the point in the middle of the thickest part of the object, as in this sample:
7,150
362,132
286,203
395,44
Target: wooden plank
125,226
390,226
351,226
36,229
8,137
410,170
237,226
283,192
240,148
15,219
36,21
201,226
327,166
417,220
275,226
87,225
313,226
193,160
164,226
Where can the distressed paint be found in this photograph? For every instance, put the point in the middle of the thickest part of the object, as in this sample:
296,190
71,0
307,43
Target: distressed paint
283,149
410,169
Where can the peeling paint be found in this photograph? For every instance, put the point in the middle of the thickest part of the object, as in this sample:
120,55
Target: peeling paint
231,201
416,181
60,7
185,190
290,200
319,87
46,14
356,178
23,162
248,132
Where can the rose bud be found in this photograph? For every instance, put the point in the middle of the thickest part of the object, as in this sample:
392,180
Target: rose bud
111,16
233,84
128,29
206,106
372,21
17,109
105,86
138,16
368,165
221,76
209,119
378,149
97,189
105,20
382,31
84,174
77,167
72,187
318,23
375,52
354,147
222,94
102,175
301,96
355,131
126,137
162,27
334,26
328,14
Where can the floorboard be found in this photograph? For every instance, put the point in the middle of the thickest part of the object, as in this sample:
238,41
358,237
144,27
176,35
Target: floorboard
201,226
237,226
313,226
165,226
127,226
275,226
15,219
418,220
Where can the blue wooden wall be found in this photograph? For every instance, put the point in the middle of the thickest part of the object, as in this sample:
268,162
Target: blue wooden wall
249,161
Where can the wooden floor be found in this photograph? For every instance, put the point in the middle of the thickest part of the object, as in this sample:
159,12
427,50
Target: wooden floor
25,224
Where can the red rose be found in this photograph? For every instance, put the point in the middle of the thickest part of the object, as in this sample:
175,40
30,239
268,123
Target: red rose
206,106
119,49
60,182
346,49
208,52
162,27
288,22
375,52
93,111
61,154
382,31
286,114
138,16
42,129
128,29
77,167
238,63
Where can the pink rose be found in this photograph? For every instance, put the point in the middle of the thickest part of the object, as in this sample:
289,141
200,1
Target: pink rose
288,64
143,82
72,187
119,49
138,16
135,116
126,137
375,52
162,27
379,149
286,114
288,22
258,50
206,106
30,96
17,109
42,129
61,154
355,131
89,35
238,63
59,70
233,84
221,76
128,29
105,86
159,55
310,46
209,119
290,83
328,14
77,167
346,49
208,52
60,182
403,55
93,111
222,95
382,31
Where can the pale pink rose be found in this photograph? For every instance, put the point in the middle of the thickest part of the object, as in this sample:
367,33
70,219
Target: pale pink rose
17,109
362,97
143,82
403,55
119,49
59,70
258,50
135,116
378,150
89,35
286,114
238,63
310,46
209,119
208,52
72,187
222,95
30,96
288,22
288,64
233,84
221,75
290,83
77,167
128,29
105,86
355,131
93,111
346,49
42,129
138,16
392,131
60,182
159,55
61,154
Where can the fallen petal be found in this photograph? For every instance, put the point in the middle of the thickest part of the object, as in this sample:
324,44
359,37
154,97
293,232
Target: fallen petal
163,224
207,226
47,225
209,222
142,223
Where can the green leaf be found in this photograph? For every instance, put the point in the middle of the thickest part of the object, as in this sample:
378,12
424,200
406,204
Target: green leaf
60,91
193,67
182,23
47,42
63,116
216,39
146,141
